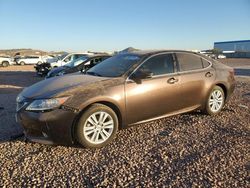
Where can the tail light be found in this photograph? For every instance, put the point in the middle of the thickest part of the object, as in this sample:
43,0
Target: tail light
231,72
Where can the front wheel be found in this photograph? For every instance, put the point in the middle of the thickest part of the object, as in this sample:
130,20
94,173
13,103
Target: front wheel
5,64
22,63
215,101
97,127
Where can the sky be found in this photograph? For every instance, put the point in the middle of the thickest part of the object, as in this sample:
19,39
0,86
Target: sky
109,25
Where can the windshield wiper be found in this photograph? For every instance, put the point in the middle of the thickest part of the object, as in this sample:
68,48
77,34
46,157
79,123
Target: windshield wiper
93,73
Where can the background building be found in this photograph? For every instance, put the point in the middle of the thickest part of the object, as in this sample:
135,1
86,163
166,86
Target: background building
238,49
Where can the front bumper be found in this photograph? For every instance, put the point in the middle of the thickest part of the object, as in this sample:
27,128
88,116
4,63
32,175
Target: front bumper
53,127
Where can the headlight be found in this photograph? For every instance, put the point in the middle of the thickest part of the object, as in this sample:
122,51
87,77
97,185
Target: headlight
60,73
46,104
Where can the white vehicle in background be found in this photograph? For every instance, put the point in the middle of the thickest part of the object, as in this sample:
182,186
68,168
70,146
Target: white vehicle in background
6,61
67,58
47,58
221,56
56,58
30,60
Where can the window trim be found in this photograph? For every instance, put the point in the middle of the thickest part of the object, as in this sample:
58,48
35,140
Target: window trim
195,70
157,76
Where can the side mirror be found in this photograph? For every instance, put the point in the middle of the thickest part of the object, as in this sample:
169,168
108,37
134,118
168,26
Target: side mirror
141,74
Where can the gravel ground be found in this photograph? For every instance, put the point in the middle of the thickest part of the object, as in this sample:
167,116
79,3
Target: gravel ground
236,62
12,80
188,150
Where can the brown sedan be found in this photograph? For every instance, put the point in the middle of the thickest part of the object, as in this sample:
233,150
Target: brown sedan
124,90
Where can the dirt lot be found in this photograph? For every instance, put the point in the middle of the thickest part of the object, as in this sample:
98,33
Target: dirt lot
188,150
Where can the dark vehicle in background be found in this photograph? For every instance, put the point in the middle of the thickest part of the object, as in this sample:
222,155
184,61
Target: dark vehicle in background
81,64
42,68
124,90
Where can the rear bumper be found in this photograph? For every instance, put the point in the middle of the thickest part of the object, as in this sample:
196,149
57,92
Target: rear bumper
54,127
231,88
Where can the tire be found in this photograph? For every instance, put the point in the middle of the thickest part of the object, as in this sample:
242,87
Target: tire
5,63
22,63
90,132
215,101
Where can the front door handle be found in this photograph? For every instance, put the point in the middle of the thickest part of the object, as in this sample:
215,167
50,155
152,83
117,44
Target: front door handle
208,74
172,80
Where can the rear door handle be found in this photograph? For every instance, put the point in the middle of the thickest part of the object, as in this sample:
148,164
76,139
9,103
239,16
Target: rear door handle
208,74
172,80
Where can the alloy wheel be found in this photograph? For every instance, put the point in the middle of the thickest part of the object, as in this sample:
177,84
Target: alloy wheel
98,127
216,101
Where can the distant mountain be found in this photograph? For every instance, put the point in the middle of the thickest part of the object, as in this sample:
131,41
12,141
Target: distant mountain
129,49
22,52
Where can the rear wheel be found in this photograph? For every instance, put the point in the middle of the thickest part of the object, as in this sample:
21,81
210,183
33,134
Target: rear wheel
215,101
97,126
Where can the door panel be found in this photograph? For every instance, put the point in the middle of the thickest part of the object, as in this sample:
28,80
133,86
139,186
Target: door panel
151,98
34,60
196,78
194,86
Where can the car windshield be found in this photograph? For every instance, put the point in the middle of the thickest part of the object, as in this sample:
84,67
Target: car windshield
115,66
62,56
76,62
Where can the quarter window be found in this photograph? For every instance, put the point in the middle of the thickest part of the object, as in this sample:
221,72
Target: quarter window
189,62
158,65
205,63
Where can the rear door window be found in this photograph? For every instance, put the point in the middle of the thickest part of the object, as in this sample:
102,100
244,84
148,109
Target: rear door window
188,62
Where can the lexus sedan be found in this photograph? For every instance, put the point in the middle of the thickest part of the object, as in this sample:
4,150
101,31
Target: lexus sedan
124,90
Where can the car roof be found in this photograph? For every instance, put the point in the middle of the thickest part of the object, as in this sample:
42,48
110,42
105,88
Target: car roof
83,53
152,52
99,55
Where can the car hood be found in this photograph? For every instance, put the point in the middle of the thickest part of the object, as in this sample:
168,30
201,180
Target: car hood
54,61
55,71
53,86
